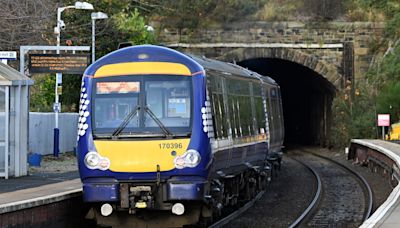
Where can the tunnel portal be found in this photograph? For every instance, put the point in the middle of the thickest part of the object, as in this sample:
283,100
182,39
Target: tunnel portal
307,99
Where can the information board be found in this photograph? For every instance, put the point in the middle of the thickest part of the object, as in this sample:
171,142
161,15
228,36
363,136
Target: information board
58,63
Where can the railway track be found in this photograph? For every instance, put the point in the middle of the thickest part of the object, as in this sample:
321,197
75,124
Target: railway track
225,220
343,198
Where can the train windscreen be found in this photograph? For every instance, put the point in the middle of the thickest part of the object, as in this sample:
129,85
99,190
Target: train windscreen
141,106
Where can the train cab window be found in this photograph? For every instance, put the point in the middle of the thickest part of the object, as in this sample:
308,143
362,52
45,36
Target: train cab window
169,101
142,105
109,110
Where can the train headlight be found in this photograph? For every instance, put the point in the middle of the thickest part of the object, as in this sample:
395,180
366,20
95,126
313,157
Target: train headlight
104,164
92,160
190,158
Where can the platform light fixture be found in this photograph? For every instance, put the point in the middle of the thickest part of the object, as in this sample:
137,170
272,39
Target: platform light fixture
96,16
57,30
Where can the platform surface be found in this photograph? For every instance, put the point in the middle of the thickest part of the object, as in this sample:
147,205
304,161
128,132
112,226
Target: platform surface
35,180
388,214
38,189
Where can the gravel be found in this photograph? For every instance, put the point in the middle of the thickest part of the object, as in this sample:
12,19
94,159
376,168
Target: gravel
283,201
287,196
66,162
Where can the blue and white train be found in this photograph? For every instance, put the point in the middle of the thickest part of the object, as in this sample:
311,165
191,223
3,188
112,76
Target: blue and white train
161,131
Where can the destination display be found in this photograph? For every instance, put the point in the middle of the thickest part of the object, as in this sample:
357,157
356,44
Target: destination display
58,63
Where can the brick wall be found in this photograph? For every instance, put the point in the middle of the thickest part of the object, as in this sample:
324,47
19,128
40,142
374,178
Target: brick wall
67,213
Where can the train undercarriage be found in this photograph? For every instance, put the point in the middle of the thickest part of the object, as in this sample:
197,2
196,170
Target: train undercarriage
139,204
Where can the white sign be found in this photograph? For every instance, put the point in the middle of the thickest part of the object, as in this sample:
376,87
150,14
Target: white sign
383,120
8,55
57,107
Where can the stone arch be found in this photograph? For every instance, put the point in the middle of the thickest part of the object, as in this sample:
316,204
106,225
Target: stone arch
325,69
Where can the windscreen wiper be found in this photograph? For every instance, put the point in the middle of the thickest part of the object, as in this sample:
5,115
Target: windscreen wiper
158,122
126,120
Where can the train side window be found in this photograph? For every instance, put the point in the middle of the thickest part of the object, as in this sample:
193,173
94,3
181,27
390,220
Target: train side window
232,104
218,108
245,114
259,109
275,112
269,105
240,108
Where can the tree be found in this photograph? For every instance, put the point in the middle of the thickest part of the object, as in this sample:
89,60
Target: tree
42,93
388,101
324,9
353,115
25,22
135,27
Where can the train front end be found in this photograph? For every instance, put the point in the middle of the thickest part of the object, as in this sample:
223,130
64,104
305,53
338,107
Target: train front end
142,134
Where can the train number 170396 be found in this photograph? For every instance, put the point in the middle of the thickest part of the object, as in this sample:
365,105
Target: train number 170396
170,145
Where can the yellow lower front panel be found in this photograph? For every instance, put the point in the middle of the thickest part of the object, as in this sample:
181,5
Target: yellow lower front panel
141,156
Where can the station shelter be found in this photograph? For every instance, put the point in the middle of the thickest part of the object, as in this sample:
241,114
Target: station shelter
14,113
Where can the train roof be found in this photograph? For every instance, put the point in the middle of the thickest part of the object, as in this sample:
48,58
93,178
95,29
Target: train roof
230,68
156,53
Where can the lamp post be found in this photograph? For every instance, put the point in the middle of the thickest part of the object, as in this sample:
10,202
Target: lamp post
95,16
57,31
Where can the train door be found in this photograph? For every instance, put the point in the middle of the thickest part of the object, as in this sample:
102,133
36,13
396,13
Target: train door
222,143
276,119
268,112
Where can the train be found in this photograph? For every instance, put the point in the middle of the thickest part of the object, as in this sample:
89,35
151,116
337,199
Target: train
171,138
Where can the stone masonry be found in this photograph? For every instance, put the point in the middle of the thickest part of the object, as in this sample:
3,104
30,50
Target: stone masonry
326,61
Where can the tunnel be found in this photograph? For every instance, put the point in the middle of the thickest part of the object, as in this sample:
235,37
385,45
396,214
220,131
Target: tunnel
306,99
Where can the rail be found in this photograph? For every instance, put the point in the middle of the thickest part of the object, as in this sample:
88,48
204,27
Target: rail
236,213
314,203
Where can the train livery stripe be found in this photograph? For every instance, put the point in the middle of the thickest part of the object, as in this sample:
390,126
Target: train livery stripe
141,156
134,68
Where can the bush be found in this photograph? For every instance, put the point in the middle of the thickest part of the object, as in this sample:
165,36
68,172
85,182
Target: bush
354,116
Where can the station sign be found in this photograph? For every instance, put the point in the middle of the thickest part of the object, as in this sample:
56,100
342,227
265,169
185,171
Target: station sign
56,107
9,55
383,120
58,63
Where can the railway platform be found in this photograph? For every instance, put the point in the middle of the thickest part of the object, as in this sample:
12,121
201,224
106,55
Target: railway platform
388,214
40,199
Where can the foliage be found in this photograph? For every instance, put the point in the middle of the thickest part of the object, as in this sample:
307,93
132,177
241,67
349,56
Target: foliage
314,10
120,27
24,22
388,70
234,10
70,93
353,115
392,29
391,10
385,77
381,88
388,101
42,93
276,11
134,25
183,14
